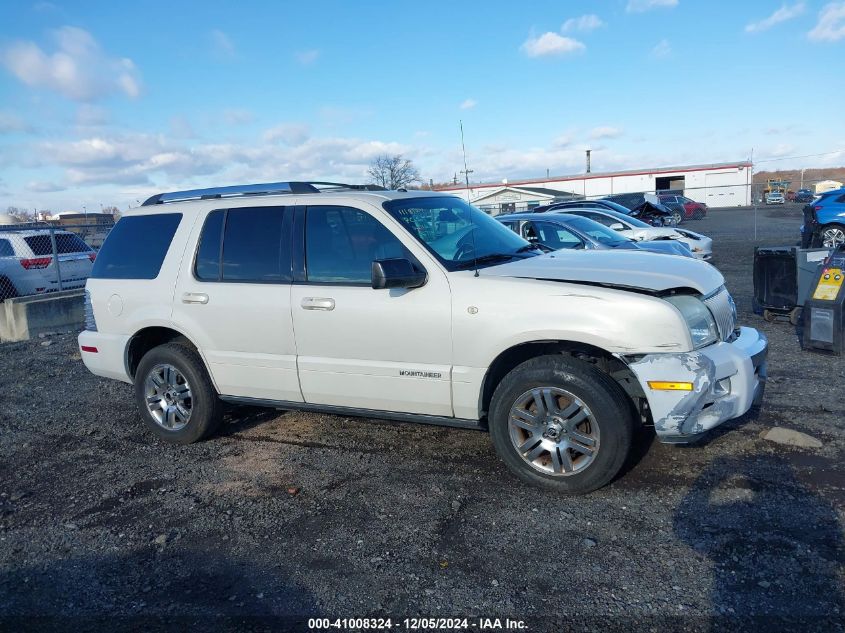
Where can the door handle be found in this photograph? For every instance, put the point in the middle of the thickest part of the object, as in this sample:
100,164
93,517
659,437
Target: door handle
317,303
194,297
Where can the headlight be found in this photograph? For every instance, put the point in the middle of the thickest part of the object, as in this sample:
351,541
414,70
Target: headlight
701,324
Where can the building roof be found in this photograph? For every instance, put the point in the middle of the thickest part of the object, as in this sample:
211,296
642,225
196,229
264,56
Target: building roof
595,174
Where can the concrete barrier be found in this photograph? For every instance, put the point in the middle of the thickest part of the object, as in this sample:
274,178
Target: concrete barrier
23,318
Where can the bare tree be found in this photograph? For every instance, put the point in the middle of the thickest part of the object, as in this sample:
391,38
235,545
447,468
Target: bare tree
393,172
24,215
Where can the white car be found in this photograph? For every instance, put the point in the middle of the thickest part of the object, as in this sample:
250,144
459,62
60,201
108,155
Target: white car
775,197
28,267
412,306
700,245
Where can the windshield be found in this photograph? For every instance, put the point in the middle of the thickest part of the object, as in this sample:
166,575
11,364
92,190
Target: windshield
615,206
459,235
627,219
598,232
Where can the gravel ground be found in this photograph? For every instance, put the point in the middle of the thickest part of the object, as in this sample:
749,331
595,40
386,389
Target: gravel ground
296,514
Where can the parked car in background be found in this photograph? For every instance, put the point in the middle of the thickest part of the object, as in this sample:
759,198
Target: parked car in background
803,195
828,212
692,210
701,246
27,265
679,214
775,197
564,230
654,216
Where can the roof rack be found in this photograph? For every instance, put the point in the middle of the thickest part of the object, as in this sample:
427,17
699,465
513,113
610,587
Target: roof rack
260,189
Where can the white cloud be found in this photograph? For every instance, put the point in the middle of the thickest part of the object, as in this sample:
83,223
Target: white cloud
551,44
640,6
468,104
662,49
306,58
831,24
786,12
44,187
605,131
11,122
287,133
588,22
221,44
78,69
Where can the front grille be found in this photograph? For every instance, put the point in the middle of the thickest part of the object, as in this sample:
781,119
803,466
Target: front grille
723,308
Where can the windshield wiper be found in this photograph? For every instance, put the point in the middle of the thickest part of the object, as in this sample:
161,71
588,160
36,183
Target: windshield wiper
529,247
487,259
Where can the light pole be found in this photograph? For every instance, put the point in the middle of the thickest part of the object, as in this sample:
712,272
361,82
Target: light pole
802,178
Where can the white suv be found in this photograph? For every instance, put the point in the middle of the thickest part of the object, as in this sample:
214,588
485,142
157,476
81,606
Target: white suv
28,267
412,306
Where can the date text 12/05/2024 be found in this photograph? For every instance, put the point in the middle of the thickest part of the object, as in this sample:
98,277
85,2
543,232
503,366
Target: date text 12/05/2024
418,624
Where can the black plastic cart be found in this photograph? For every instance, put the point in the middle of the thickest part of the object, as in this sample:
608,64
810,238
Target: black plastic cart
782,279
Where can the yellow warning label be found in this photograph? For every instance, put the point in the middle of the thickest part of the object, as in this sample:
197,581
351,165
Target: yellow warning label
829,285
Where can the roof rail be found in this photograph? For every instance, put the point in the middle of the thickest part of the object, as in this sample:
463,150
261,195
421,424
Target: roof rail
260,189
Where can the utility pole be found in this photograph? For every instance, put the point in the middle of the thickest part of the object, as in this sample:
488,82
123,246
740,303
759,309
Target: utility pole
589,151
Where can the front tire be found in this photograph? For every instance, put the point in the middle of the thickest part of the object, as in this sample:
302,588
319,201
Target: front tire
175,395
832,236
561,424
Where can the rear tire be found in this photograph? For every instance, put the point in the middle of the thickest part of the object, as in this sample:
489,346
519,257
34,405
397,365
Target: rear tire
175,395
561,424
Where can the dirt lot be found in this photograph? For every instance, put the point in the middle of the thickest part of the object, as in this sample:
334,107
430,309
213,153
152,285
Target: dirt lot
98,520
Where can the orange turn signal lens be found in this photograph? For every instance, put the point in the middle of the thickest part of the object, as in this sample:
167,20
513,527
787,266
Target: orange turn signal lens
664,385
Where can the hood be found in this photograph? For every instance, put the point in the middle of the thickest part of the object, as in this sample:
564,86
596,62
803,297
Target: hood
624,269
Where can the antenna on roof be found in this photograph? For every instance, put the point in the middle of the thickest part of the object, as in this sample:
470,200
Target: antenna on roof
466,172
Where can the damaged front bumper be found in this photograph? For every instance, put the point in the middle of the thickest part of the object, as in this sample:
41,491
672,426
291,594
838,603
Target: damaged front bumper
728,379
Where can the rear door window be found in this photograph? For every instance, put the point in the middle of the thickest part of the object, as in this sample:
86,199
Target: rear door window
244,245
136,246
252,246
6,249
65,243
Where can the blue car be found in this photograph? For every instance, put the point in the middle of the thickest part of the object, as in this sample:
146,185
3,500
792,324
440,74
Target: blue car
829,218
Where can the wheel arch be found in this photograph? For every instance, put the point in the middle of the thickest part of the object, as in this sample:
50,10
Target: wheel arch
517,354
149,337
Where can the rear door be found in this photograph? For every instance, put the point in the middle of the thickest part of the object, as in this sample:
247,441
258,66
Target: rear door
233,296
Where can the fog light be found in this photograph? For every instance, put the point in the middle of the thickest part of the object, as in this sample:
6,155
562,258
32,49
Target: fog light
665,385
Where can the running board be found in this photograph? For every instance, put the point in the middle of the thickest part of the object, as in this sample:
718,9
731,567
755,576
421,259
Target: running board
419,418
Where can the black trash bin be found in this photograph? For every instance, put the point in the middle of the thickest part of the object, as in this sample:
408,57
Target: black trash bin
782,279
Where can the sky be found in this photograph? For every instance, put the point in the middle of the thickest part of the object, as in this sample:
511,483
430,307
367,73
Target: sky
106,103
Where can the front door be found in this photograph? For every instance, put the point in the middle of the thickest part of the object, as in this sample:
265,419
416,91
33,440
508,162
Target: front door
388,349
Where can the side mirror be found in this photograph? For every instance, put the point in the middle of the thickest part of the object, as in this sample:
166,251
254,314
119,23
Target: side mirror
396,273
617,226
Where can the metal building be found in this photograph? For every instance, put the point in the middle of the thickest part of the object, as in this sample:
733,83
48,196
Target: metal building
717,185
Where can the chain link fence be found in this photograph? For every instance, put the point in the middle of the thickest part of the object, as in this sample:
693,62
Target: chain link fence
39,258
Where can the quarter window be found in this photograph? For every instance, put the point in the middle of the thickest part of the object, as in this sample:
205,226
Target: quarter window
341,244
136,246
6,249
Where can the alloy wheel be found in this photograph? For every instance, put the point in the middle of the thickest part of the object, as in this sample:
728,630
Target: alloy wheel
553,431
833,237
168,397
